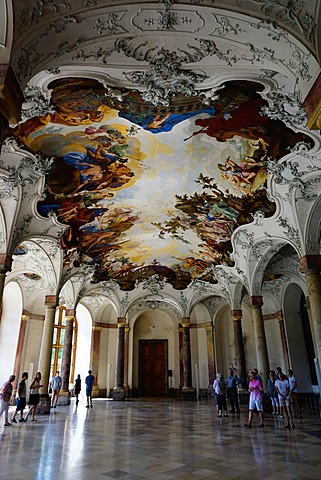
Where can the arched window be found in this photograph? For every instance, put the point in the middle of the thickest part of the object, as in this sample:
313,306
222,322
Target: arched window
58,344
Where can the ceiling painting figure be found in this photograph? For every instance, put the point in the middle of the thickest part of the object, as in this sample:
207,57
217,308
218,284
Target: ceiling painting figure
147,190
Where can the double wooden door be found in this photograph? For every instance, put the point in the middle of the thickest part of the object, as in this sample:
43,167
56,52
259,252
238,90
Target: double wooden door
153,368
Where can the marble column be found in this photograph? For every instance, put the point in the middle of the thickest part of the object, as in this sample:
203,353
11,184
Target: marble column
19,351
260,339
119,391
308,308
65,394
5,266
188,392
180,350
45,352
95,350
284,343
311,266
126,361
236,316
210,355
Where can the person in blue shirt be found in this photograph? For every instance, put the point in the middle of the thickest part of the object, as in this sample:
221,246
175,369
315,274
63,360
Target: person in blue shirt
89,381
232,382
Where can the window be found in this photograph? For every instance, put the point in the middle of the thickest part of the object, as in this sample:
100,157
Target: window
58,344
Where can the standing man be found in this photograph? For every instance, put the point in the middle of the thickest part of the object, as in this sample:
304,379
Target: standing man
21,398
55,384
232,382
5,395
89,381
294,393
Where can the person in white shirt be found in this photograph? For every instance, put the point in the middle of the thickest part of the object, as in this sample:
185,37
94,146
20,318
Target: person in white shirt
294,393
282,387
55,385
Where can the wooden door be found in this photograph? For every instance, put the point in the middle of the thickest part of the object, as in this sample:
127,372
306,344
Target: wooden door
153,368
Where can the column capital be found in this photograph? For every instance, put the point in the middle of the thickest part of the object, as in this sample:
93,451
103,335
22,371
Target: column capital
310,262
236,315
69,318
70,312
95,328
186,322
256,301
209,328
51,300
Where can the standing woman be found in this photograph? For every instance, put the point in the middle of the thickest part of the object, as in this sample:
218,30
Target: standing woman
77,388
220,389
272,392
34,396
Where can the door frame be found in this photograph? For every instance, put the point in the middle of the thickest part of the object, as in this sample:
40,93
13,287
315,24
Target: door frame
140,363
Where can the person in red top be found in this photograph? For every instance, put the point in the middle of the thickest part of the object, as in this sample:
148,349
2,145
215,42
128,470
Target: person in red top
255,389
5,395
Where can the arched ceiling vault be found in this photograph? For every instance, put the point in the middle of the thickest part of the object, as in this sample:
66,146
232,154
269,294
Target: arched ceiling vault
170,125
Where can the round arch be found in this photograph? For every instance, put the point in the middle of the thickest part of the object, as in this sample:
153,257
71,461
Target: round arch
299,338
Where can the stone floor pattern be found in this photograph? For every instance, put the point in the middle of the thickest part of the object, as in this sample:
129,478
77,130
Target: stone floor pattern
158,440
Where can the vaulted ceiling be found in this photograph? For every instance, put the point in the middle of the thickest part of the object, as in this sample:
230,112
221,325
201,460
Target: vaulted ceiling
161,119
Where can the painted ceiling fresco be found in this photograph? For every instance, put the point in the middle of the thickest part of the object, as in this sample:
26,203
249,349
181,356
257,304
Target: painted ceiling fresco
146,190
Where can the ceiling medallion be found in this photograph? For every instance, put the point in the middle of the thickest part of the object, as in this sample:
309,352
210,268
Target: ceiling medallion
165,79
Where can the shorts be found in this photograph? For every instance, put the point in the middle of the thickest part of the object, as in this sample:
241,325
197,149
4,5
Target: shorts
34,399
256,403
56,392
21,403
285,402
88,392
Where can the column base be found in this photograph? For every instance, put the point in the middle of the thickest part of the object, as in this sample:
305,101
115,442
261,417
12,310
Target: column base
43,407
188,393
119,393
64,398
95,393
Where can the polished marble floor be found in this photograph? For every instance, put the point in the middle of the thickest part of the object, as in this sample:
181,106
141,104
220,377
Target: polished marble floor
158,440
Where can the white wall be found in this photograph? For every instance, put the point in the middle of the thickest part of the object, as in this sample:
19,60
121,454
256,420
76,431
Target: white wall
9,329
82,363
153,325
295,337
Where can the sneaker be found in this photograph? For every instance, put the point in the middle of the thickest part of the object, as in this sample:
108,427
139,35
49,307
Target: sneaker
91,406
273,413
247,425
281,416
87,406
7,425
13,420
299,415
51,406
287,426
22,420
55,406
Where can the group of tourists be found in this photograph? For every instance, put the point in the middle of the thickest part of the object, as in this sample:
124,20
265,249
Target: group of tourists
282,391
34,395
